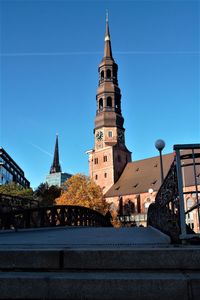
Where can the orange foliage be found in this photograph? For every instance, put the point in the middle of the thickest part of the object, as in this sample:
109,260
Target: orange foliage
81,190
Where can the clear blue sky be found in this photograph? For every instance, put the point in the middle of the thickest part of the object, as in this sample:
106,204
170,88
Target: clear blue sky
50,51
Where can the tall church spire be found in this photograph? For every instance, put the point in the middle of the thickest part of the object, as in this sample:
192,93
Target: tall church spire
109,155
56,168
107,47
108,93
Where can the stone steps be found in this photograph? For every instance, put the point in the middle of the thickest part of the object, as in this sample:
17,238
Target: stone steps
97,264
100,273
187,258
100,285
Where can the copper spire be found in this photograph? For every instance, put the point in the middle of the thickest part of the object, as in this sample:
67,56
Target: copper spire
55,168
107,47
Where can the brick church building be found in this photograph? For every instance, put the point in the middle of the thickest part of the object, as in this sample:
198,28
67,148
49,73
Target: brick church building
131,184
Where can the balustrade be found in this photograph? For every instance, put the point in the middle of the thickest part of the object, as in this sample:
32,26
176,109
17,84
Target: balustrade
169,213
59,215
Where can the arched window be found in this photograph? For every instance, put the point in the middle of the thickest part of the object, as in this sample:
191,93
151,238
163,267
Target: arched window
100,104
108,73
129,208
102,74
109,102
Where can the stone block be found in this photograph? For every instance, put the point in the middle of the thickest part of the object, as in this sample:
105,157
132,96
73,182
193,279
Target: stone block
133,259
94,285
29,259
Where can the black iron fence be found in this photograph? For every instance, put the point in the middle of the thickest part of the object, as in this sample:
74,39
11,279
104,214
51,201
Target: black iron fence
59,215
169,212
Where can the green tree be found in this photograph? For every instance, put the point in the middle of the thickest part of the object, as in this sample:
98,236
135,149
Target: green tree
81,190
46,194
14,189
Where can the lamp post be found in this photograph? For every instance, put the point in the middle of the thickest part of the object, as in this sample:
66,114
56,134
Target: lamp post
160,144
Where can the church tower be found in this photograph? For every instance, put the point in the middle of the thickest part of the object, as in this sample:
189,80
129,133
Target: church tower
55,168
56,176
110,155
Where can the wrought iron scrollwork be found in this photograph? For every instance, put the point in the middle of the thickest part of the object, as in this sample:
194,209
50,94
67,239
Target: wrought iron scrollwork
59,215
164,213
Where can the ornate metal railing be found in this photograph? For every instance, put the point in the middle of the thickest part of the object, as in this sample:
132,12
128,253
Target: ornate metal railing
59,215
164,213
168,213
17,202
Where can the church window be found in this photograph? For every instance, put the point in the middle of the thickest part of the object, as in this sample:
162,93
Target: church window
110,134
138,204
96,161
109,102
102,74
96,176
105,175
108,73
105,158
100,104
129,208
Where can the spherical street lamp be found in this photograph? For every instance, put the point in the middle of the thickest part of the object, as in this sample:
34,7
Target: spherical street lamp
160,145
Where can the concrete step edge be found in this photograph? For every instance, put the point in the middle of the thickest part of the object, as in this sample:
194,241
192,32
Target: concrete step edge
101,259
98,285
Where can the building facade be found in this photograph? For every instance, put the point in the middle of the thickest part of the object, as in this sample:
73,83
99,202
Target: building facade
109,156
128,186
137,187
10,171
56,176
139,183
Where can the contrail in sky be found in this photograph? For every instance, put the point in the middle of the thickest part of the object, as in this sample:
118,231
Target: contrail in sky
22,54
42,150
48,53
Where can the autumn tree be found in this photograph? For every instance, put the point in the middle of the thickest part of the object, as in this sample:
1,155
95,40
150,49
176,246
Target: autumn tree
81,190
14,189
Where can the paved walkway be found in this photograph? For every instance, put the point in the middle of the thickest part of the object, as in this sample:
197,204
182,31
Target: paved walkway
70,237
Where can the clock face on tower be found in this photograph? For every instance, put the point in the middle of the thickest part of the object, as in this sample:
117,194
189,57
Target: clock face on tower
99,135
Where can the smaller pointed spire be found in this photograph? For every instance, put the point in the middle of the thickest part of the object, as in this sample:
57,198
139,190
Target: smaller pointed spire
56,168
107,47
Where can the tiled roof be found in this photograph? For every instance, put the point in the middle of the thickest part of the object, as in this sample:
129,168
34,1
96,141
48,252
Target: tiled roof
139,176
